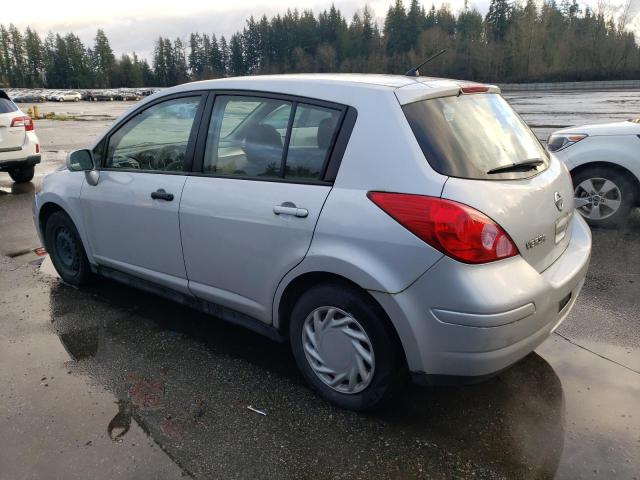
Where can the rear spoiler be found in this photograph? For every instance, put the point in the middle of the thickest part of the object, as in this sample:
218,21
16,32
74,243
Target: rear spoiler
4,95
418,91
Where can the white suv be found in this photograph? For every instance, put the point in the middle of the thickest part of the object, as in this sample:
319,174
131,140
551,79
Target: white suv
382,225
604,161
65,96
19,147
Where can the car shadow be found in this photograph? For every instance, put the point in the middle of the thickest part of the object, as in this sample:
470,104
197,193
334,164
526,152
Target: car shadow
188,379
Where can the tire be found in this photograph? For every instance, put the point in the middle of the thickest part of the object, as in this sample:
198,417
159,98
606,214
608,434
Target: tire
387,372
603,188
22,174
65,247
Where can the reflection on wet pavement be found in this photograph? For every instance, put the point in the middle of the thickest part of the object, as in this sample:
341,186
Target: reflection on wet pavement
187,379
53,422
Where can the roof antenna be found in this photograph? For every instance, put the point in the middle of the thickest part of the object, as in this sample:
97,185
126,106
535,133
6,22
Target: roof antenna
414,71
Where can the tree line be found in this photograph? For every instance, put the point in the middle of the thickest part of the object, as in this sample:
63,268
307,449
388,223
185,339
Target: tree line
513,42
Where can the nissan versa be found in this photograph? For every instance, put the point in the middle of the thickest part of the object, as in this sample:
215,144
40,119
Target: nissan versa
386,226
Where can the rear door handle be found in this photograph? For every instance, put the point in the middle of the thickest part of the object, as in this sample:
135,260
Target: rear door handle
161,194
288,208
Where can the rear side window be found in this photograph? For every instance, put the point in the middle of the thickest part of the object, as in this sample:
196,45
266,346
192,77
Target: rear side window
241,140
264,137
467,136
7,106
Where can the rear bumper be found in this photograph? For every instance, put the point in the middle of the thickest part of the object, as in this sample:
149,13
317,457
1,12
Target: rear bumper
476,320
21,162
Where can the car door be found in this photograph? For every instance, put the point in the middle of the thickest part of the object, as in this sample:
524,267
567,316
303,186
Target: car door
131,214
248,213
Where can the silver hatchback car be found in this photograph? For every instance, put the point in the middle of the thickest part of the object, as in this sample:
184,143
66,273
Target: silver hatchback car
387,227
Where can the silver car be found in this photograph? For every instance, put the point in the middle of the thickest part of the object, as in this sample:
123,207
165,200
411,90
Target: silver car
387,227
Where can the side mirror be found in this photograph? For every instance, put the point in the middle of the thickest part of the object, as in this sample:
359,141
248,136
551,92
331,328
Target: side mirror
80,161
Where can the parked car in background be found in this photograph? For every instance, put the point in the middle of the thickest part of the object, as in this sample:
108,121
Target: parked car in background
101,96
382,225
145,92
65,96
127,95
19,147
29,97
604,161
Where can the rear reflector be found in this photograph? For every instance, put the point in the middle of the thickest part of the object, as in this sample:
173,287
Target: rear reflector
455,229
475,89
25,122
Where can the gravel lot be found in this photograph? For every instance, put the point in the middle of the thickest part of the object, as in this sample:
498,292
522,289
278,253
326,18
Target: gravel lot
110,382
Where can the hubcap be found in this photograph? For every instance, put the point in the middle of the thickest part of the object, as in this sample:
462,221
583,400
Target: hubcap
597,198
65,247
338,349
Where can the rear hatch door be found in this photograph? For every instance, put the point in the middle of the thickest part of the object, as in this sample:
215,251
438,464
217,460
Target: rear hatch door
497,166
534,212
11,138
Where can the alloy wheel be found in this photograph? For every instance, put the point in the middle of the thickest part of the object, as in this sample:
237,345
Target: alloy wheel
597,198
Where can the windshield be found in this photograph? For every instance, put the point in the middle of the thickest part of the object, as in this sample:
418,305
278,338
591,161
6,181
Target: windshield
473,136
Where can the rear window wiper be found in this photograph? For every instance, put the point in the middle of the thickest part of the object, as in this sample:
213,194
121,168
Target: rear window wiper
518,167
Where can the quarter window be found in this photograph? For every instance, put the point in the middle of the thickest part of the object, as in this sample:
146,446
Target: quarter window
156,139
7,106
311,139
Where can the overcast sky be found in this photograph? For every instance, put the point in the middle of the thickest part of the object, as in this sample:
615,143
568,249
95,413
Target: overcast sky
133,25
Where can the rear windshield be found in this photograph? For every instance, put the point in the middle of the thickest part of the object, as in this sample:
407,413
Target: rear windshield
7,106
467,136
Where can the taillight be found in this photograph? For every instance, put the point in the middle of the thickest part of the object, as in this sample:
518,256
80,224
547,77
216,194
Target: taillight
455,229
25,122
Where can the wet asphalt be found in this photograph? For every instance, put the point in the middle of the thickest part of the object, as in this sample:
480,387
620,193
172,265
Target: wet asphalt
110,382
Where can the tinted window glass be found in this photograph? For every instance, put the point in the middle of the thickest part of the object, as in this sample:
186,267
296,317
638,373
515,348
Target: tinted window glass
279,118
469,135
7,106
98,152
244,139
156,139
311,139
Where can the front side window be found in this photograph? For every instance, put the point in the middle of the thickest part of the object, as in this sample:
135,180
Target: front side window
156,139
248,138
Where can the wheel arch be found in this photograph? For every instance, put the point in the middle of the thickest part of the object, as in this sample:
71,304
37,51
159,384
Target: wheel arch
615,167
46,210
297,285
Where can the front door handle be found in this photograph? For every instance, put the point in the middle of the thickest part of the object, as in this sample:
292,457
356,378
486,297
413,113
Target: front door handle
161,194
289,208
